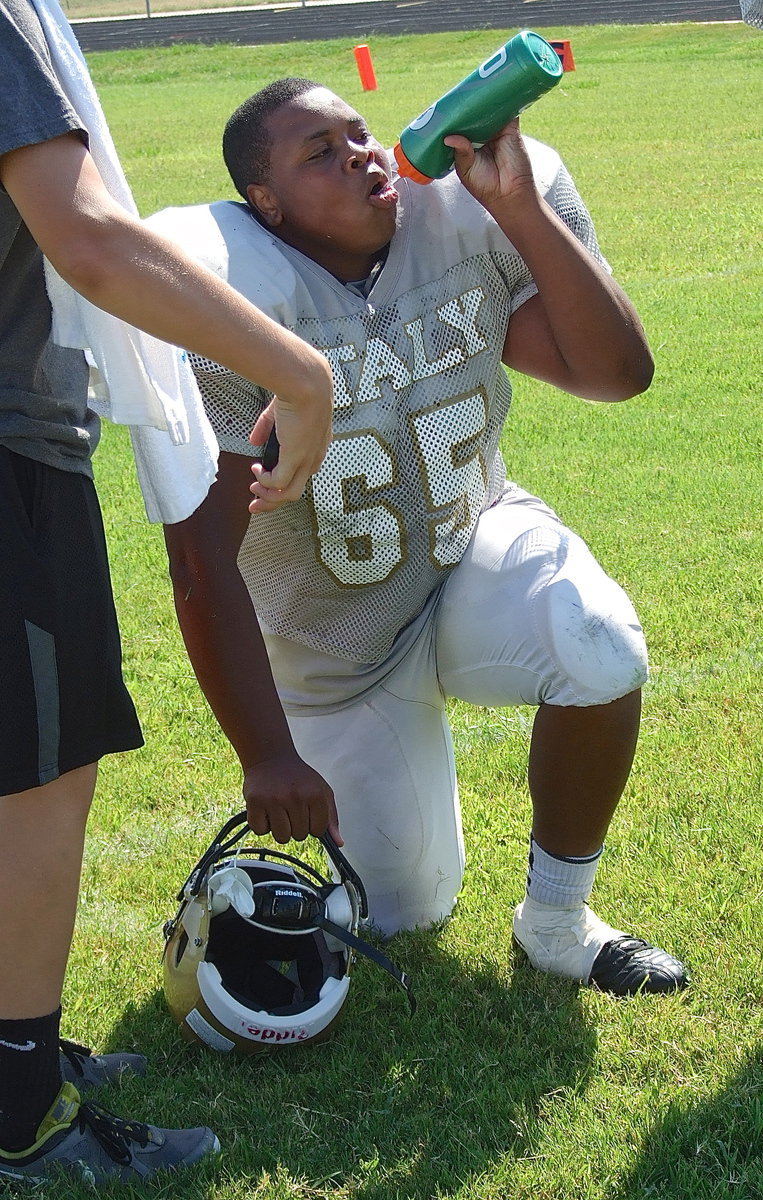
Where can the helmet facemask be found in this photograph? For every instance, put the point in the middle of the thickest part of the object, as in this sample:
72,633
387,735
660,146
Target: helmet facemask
260,951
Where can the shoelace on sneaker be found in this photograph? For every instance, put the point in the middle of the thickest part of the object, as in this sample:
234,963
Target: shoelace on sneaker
113,1133
74,1053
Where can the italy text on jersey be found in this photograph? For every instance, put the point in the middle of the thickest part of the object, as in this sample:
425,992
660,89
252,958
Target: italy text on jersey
421,398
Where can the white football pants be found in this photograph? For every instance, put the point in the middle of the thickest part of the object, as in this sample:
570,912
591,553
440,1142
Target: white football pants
527,617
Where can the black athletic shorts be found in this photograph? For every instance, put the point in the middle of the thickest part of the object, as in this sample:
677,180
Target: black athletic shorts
63,702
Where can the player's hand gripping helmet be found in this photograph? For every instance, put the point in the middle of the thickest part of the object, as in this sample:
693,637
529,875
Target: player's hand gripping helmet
260,951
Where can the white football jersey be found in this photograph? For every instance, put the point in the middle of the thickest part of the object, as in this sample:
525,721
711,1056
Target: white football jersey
420,400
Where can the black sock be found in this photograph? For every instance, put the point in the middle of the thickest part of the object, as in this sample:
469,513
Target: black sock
30,1077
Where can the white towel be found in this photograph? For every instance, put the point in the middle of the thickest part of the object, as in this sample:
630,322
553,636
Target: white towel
142,382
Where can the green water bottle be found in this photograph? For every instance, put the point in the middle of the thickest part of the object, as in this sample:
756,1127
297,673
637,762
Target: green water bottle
479,106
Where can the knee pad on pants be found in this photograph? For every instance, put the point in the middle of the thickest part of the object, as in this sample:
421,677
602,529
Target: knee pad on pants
529,617
590,629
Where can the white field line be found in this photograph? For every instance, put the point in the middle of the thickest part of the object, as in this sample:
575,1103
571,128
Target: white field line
729,273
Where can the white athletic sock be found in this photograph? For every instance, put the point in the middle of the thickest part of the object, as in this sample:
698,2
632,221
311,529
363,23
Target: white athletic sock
560,882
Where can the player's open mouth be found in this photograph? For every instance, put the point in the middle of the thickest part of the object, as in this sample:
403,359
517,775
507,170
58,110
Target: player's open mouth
382,194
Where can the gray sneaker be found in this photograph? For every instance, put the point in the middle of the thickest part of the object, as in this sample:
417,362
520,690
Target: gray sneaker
88,1071
86,1141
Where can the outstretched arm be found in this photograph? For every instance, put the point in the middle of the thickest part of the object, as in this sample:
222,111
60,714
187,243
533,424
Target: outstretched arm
283,794
580,332
134,273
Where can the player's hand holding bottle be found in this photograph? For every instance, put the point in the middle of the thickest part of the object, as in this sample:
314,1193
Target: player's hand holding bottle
497,172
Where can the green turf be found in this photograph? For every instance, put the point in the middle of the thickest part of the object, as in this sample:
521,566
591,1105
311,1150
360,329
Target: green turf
505,1085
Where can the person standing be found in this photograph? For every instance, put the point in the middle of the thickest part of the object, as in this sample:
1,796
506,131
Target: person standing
63,703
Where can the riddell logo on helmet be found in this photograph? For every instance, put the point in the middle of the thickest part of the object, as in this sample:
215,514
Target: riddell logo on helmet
277,1035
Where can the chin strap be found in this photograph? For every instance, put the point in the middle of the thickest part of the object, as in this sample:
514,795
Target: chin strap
369,951
345,871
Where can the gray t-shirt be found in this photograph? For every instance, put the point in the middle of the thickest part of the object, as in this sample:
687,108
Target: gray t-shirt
43,387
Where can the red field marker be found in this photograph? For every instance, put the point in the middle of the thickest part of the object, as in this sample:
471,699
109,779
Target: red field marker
365,68
564,50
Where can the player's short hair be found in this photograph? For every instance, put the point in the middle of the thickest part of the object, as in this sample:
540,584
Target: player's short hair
246,139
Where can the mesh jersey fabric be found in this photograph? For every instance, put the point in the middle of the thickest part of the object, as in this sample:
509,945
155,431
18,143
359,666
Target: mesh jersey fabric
420,401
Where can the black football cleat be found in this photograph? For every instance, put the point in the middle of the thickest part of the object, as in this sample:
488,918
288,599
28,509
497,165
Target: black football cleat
628,966
576,943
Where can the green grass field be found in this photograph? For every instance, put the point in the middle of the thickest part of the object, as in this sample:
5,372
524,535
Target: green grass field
506,1085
